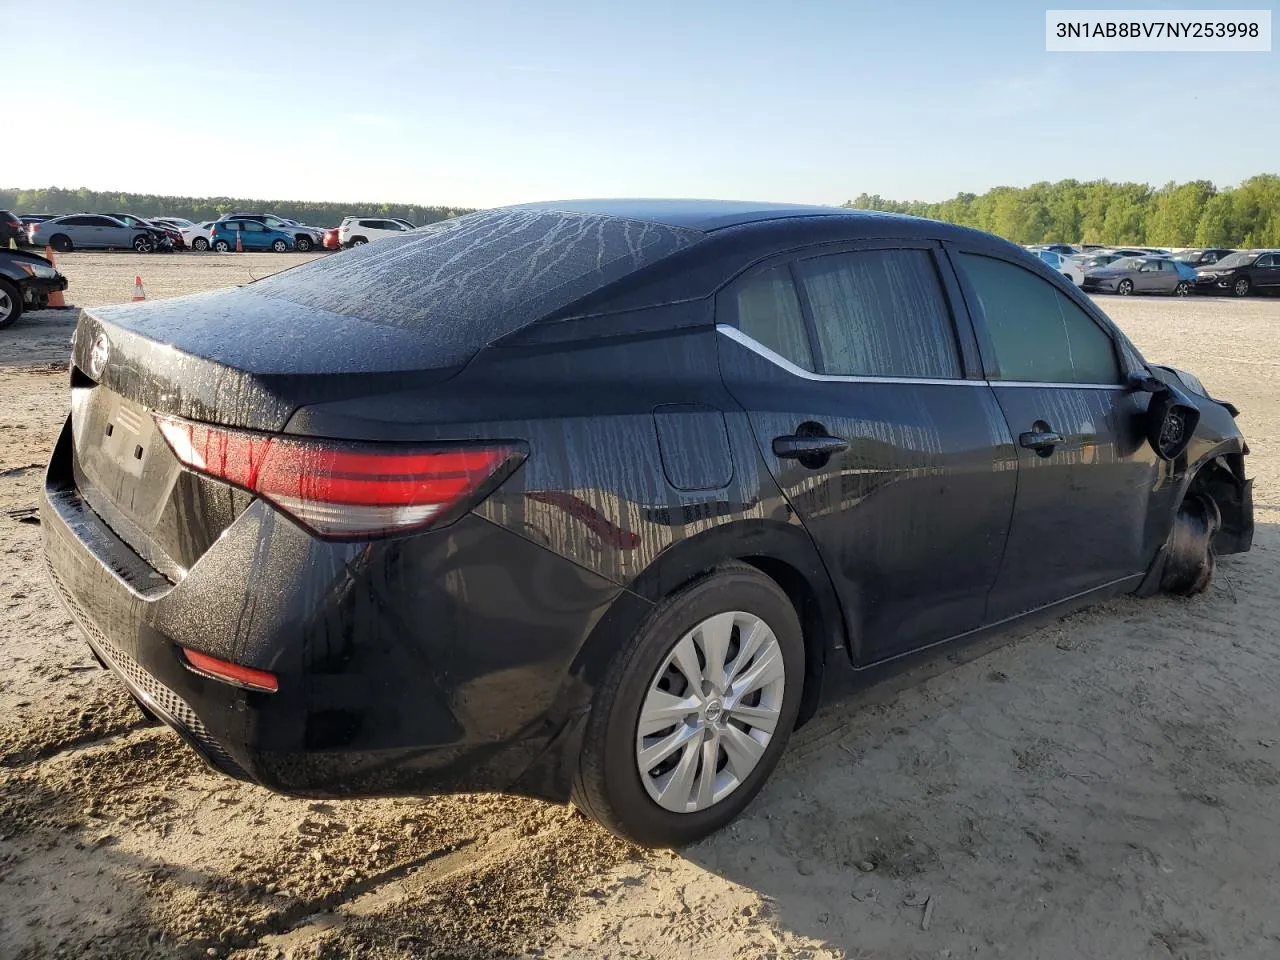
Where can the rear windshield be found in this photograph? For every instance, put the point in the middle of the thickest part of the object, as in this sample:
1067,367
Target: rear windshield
471,280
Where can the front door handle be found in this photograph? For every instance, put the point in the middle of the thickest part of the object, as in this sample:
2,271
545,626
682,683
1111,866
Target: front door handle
1041,441
797,446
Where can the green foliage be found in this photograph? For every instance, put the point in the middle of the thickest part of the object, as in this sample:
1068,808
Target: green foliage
1177,215
55,200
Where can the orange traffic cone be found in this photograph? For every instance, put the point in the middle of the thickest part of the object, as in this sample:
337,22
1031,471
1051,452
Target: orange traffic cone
239,245
55,298
138,292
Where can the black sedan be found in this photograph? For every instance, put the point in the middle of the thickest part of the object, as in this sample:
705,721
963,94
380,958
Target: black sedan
26,280
1240,274
594,499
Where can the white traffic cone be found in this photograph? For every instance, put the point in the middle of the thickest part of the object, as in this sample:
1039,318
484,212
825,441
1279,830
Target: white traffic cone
138,292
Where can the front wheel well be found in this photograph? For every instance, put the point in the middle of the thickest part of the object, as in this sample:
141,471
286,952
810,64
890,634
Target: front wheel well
1222,479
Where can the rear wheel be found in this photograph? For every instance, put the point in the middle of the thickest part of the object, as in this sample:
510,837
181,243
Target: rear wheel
694,711
200,243
60,242
10,304
358,241
1125,287
303,243
1182,289
221,246
279,246
1241,287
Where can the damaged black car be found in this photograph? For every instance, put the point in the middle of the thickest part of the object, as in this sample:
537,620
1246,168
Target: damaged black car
593,500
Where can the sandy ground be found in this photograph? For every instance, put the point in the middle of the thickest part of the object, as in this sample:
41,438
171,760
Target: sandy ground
1103,787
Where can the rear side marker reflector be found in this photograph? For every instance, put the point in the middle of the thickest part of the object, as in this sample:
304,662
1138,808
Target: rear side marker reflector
344,491
230,672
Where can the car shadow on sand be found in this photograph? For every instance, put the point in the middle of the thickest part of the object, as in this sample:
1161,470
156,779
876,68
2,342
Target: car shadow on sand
1103,785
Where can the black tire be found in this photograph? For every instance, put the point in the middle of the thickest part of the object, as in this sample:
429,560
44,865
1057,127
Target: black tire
1183,289
1241,287
221,246
143,243
1124,287
61,242
358,242
10,304
279,246
1189,558
607,786
303,243
200,243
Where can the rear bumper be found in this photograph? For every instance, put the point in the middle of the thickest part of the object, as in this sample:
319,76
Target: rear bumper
437,663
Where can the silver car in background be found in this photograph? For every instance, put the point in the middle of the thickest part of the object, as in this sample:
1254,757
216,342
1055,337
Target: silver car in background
92,231
1153,274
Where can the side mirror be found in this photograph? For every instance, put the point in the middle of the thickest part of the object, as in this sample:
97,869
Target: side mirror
1171,418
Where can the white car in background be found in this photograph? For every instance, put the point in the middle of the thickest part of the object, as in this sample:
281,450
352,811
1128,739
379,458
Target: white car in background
1066,266
196,236
353,231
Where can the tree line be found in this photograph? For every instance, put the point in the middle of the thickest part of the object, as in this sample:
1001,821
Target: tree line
56,201
1190,214
1196,213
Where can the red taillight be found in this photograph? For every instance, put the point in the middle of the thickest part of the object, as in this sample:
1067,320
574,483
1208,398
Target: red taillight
230,672
342,491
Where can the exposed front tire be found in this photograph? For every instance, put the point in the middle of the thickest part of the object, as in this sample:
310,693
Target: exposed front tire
143,244
1182,289
200,243
10,304
221,246
303,243
279,246
1189,559
1241,287
61,242
694,711
1124,287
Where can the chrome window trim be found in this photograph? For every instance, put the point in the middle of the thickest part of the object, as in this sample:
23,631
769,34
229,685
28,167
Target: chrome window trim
755,346
778,360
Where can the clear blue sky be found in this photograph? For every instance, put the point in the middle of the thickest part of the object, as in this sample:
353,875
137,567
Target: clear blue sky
484,102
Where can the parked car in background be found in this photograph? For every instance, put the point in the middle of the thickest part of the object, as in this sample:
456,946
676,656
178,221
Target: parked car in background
173,236
301,236
1241,273
28,219
331,241
93,231
26,280
180,222
495,580
11,228
1141,275
1202,257
1065,249
197,235
354,231
1063,264
253,235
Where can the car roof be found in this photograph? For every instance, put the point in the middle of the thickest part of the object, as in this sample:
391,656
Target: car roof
702,215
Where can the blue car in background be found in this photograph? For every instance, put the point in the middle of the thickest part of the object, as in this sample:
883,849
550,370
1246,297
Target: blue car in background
253,235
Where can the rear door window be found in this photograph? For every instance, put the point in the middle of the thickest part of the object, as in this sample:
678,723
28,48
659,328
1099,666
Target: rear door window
880,313
1038,333
769,312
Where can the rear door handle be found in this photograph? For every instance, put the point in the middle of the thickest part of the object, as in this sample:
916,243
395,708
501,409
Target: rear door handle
1040,440
794,446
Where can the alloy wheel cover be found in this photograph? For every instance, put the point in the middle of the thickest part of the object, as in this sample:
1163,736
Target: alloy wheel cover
710,711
